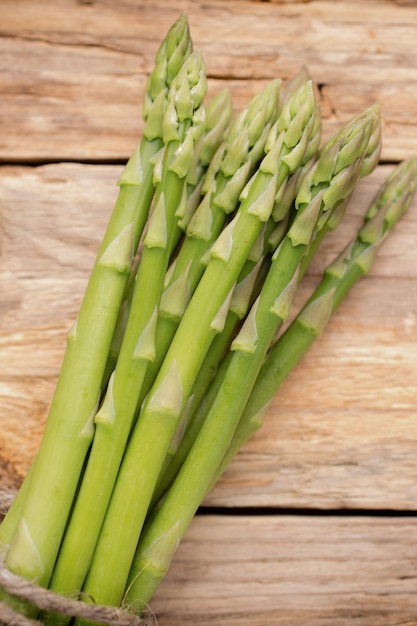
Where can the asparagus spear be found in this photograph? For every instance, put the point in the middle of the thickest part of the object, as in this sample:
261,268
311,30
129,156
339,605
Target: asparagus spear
218,117
69,430
325,187
245,292
229,171
356,260
369,163
196,414
181,123
167,398
226,178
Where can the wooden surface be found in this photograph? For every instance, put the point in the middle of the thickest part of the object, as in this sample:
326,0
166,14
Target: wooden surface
340,440
286,570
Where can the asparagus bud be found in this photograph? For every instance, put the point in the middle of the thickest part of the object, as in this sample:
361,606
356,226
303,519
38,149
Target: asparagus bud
372,119
174,49
218,117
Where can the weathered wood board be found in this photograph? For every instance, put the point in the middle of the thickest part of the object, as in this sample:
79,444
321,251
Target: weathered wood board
341,434
73,72
287,571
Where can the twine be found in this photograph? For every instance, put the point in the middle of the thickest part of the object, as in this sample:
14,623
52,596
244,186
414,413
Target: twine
49,601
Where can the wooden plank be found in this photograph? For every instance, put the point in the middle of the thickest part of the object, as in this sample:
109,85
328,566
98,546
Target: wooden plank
73,73
341,432
289,570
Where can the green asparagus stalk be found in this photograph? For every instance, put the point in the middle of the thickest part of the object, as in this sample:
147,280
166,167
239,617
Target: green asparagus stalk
325,187
370,160
226,178
69,430
196,413
218,117
114,419
244,294
229,171
166,528
204,390
169,394
355,261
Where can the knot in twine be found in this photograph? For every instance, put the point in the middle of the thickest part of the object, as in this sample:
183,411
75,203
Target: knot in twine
49,601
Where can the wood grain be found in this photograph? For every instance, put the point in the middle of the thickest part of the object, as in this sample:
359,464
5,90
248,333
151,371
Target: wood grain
289,570
342,430
341,434
72,87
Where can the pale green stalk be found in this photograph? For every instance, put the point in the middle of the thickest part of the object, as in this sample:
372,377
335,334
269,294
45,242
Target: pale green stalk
114,419
197,409
325,187
225,179
218,117
70,429
203,317
244,294
355,261
7,531
166,527
246,291
228,173
369,162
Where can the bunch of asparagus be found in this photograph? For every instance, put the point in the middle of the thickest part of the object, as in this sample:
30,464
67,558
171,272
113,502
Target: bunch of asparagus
178,347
